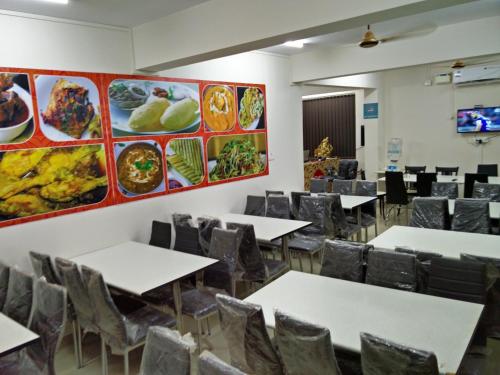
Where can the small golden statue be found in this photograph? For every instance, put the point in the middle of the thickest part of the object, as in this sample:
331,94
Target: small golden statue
324,149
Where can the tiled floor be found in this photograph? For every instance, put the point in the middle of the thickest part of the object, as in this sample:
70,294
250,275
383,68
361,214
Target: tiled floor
65,361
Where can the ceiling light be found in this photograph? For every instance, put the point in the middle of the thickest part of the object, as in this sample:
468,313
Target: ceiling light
55,1
295,44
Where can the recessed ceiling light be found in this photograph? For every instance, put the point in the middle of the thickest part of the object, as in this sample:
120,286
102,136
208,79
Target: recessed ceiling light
55,1
295,44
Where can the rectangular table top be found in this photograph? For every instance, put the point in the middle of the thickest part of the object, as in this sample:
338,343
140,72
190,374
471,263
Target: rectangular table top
440,325
446,242
138,268
14,336
352,201
494,208
266,228
441,178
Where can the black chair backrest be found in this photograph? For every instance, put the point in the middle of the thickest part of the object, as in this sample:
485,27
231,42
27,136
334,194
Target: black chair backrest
274,192
206,225
348,169
395,188
424,259
444,189
344,260
488,191
210,364
186,240
161,234
382,357
415,169
4,283
458,279
471,215
19,299
447,171
424,183
225,246
488,169
431,213
42,266
182,220
318,185
338,220
278,206
256,205
296,195
392,270
318,211
470,178
367,189
343,187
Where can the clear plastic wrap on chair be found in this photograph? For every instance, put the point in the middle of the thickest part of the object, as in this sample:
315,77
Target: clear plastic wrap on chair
431,213
4,283
250,256
343,187
318,211
471,215
423,265
278,206
165,353
486,191
210,364
246,337
305,348
19,299
318,185
382,357
206,225
344,260
256,205
444,189
392,270
78,294
42,265
182,220
367,189
348,169
224,246
341,227
296,196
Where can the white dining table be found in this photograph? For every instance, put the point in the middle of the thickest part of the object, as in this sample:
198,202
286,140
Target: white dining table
354,202
443,326
494,208
445,242
268,229
138,268
411,178
14,336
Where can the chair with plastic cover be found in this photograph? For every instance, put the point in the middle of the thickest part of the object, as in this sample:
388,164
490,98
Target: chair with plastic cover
305,348
348,169
19,298
430,213
344,260
490,170
278,206
444,189
469,181
296,196
415,169
396,191
256,205
246,336
318,185
382,357
447,171
42,266
161,234
206,225
368,210
471,215
274,192
165,353
122,333
424,183
487,191
343,187
4,283
187,239
392,270
210,364
342,228
182,220
48,321
423,264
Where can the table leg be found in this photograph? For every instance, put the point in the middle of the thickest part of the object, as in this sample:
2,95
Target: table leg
358,213
176,287
285,250
199,279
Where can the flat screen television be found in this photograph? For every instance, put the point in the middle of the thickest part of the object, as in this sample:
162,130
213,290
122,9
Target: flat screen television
478,120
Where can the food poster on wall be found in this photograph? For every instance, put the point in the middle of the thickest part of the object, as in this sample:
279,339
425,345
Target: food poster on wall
72,141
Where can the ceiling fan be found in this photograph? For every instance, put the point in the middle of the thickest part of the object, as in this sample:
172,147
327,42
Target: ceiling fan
461,63
369,39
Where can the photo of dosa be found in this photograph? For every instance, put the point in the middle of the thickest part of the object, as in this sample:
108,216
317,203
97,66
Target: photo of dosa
219,112
42,180
185,162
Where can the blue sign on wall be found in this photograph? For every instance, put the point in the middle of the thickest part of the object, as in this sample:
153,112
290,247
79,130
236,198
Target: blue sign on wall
370,110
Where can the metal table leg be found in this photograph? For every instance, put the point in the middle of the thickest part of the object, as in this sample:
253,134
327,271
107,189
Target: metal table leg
285,250
176,287
358,213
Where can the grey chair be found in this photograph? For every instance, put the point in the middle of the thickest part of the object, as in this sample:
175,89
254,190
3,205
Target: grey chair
487,191
348,169
19,298
447,171
471,215
274,192
296,196
182,220
415,169
488,169
210,364
305,348
245,332
255,206
206,225
342,228
382,357
444,189
343,187
161,234
368,210
318,185
431,213
48,321
423,264
392,270
344,260
165,353
122,333
187,239
278,206
4,283
42,266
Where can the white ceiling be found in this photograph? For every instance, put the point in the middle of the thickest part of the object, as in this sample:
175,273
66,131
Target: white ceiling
411,26
126,13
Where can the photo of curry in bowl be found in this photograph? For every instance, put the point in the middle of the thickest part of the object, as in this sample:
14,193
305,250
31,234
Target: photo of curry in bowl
139,167
219,108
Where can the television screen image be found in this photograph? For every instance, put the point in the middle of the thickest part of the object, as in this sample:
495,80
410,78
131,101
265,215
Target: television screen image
478,120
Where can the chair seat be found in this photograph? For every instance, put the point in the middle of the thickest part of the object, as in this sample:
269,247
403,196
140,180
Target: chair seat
349,230
307,244
275,267
138,323
366,220
19,364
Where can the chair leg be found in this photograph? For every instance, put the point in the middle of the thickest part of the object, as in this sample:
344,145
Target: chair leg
376,228
208,327
76,342
311,255
300,263
104,358
125,363
198,324
80,344
366,234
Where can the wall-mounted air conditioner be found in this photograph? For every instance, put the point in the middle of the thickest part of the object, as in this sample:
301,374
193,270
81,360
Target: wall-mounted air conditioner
477,75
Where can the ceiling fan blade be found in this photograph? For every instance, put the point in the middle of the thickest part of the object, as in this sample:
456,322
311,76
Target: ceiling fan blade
410,34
